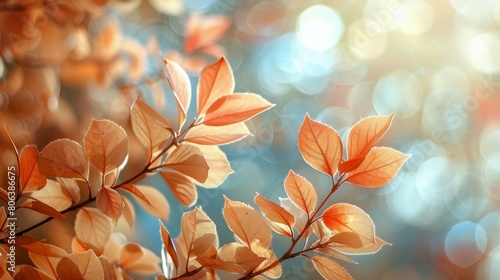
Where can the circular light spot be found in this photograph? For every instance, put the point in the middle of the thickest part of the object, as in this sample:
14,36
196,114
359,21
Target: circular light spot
320,28
493,265
339,118
492,168
365,40
432,179
400,92
450,77
465,243
384,13
484,52
417,17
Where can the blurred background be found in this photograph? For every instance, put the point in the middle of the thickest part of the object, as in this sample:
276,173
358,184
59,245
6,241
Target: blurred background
434,63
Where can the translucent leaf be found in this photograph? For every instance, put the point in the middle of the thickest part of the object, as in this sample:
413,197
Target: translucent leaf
370,248
235,108
365,134
320,146
169,247
30,178
138,260
39,248
106,144
136,192
64,158
219,168
54,195
27,272
188,160
71,187
300,216
247,224
48,263
216,80
159,206
270,258
149,126
381,164
198,232
110,203
203,31
217,135
233,257
80,266
181,186
181,87
301,192
43,208
329,268
280,220
344,217
128,213
93,228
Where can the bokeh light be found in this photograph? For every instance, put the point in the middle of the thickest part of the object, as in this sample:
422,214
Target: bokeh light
319,28
465,243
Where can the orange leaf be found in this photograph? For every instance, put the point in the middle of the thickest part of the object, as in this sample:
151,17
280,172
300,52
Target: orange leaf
181,186
301,192
48,263
344,217
270,258
217,135
64,158
43,208
300,216
71,187
93,228
334,253
27,272
198,232
106,144
365,134
128,213
40,248
381,164
138,260
329,268
233,257
30,178
247,224
320,146
188,160
149,126
216,80
218,164
54,195
80,266
203,31
168,245
235,108
137,192
3,195
347,239
158,205
110,203
280,220
370,248
181,87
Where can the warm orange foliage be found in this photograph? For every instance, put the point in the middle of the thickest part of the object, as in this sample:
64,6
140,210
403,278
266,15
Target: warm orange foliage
186,155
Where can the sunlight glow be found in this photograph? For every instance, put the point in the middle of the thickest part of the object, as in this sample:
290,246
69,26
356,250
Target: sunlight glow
320,28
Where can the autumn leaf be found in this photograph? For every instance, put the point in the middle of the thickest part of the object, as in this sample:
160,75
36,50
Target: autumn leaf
106,145
301,217
217,135
247,224
181,186
39,248
128,213
158,205
280,220
219,168
54,195
30,178
204,31
329,268
365,134
43,208
331,252
320,146
344,217
149,126
216,81
93,228
181,87
46,263
28,272
64,158
233,257
138,260
381,164
269,259
168,245
198,232
301,192
235,108
188,160
370,248
71,187
136,192
110,203
80,266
